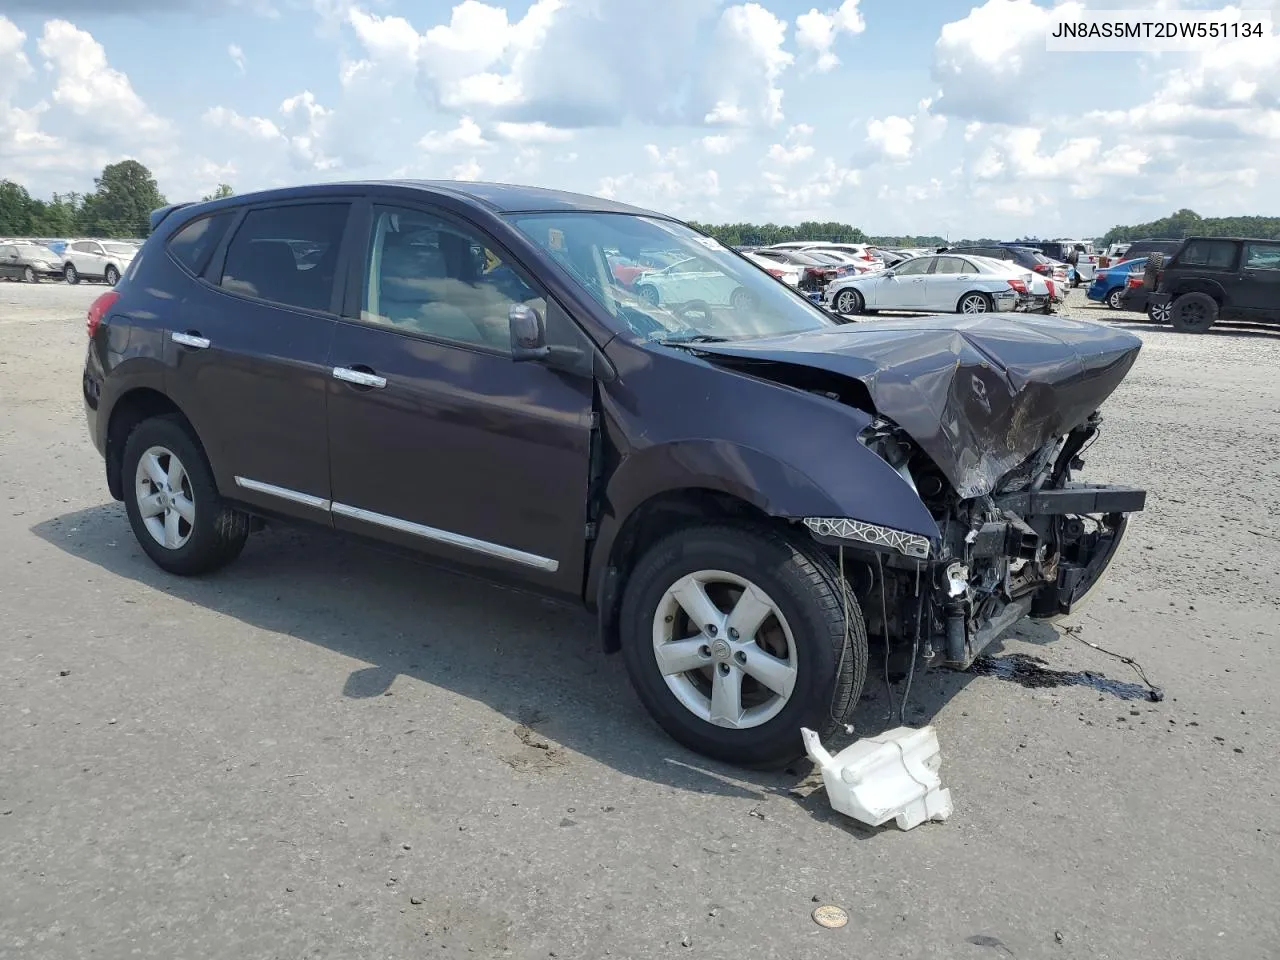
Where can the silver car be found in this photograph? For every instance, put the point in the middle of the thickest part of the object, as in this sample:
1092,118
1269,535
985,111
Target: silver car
943,283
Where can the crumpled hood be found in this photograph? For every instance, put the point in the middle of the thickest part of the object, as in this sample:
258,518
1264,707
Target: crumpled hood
979,394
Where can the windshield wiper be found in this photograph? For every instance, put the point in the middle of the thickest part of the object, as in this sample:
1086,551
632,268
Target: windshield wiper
693,338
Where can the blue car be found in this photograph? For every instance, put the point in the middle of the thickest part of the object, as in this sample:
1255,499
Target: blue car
1108,284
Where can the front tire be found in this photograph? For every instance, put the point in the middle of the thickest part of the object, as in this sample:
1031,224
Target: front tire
177,516
112,276
69,272
29,275
736,636
1159,314
649,294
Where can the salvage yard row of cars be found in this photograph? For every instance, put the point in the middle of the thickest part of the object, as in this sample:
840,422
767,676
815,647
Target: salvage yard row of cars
731,477
70,260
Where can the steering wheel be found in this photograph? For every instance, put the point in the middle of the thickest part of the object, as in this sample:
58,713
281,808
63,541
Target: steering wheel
681,310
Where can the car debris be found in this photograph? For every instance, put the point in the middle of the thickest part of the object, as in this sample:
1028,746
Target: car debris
891,776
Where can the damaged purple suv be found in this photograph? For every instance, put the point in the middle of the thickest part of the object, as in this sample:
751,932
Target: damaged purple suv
742,486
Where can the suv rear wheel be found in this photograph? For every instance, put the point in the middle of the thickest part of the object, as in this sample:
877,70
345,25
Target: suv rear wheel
1193,312
735,637
173,504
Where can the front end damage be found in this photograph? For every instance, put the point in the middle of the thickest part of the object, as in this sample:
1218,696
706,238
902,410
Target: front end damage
1036,546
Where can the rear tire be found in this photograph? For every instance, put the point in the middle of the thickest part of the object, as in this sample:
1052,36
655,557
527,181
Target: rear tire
974,302
649,294
112,276
849,301
176,491
1159,314
825,659
1115,299
1193,312
70,273
29,276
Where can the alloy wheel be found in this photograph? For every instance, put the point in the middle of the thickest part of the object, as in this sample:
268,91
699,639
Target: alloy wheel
974,303
165,502
1114,299
724,649
1159,314
846,301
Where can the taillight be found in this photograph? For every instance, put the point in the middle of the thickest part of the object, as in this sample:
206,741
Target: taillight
1052,291
98,309
775,272
1019,285
1042,268
1134,281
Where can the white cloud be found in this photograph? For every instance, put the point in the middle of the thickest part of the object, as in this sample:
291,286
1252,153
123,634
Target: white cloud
891,136
237,57
228,119
989,62
536,132
309,122
816,32
717,145
102,98
466,137
470,170
796,149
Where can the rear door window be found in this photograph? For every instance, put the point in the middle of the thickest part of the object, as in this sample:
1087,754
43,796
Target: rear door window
1215,254
287,255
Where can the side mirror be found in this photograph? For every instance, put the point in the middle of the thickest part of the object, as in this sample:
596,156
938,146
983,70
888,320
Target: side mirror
528,333
890,274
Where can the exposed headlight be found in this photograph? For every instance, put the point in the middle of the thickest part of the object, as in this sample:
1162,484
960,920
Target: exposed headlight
843,528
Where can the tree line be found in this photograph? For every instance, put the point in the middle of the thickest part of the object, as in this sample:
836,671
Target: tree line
767,234
1188,223
120,206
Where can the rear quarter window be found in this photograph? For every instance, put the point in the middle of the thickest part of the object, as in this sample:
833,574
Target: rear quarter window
193,245
287,255
1217,254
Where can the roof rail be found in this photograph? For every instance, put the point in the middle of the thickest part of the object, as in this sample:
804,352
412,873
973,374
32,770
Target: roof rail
159,216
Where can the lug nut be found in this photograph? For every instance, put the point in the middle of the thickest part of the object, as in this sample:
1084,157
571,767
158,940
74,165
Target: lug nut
711,629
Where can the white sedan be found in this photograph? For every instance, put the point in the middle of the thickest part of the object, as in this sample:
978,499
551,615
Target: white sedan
942,283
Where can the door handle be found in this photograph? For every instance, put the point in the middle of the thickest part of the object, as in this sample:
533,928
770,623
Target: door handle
965,277
192,340
361,378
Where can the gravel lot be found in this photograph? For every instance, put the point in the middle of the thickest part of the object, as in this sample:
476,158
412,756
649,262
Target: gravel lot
329,752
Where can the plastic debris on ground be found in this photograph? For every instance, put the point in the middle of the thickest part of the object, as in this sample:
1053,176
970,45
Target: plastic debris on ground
891,776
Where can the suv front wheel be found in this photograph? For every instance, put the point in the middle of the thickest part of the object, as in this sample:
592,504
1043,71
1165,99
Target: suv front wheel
735,637
173,504
1193,312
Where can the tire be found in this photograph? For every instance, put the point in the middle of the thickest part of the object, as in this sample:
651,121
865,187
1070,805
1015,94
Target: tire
112,276
974,302
1159,314
29,276
1115,299
649,294
1193,312
206,536
849,300
70,274
742,299
1151,273
801,588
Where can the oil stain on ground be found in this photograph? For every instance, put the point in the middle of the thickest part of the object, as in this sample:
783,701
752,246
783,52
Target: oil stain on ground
1031,672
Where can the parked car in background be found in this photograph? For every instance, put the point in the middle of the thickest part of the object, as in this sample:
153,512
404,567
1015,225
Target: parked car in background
1143,248
1213,278
691,280
788,273
950,284
29,262
861,251
727,489
1136,298
104,260
1109,284
1025,257
859,264
816,270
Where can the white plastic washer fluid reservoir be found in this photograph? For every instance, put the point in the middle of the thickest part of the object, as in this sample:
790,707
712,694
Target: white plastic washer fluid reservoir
891,776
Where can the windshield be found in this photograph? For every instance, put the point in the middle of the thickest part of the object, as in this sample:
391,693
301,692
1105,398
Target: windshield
707,292
120,249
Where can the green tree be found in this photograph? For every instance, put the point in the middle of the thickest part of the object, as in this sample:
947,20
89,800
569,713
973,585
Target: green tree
224,190
15,210
1188,223
122,202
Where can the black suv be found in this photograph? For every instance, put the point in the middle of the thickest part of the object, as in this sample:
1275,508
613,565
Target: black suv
741,485
1212,278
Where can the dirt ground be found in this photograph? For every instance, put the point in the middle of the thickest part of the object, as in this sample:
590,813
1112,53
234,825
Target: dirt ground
329,752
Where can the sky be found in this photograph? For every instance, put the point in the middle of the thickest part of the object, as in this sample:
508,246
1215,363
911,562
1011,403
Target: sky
901,117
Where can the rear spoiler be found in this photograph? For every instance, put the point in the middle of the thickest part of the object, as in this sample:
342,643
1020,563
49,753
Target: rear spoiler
159,216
